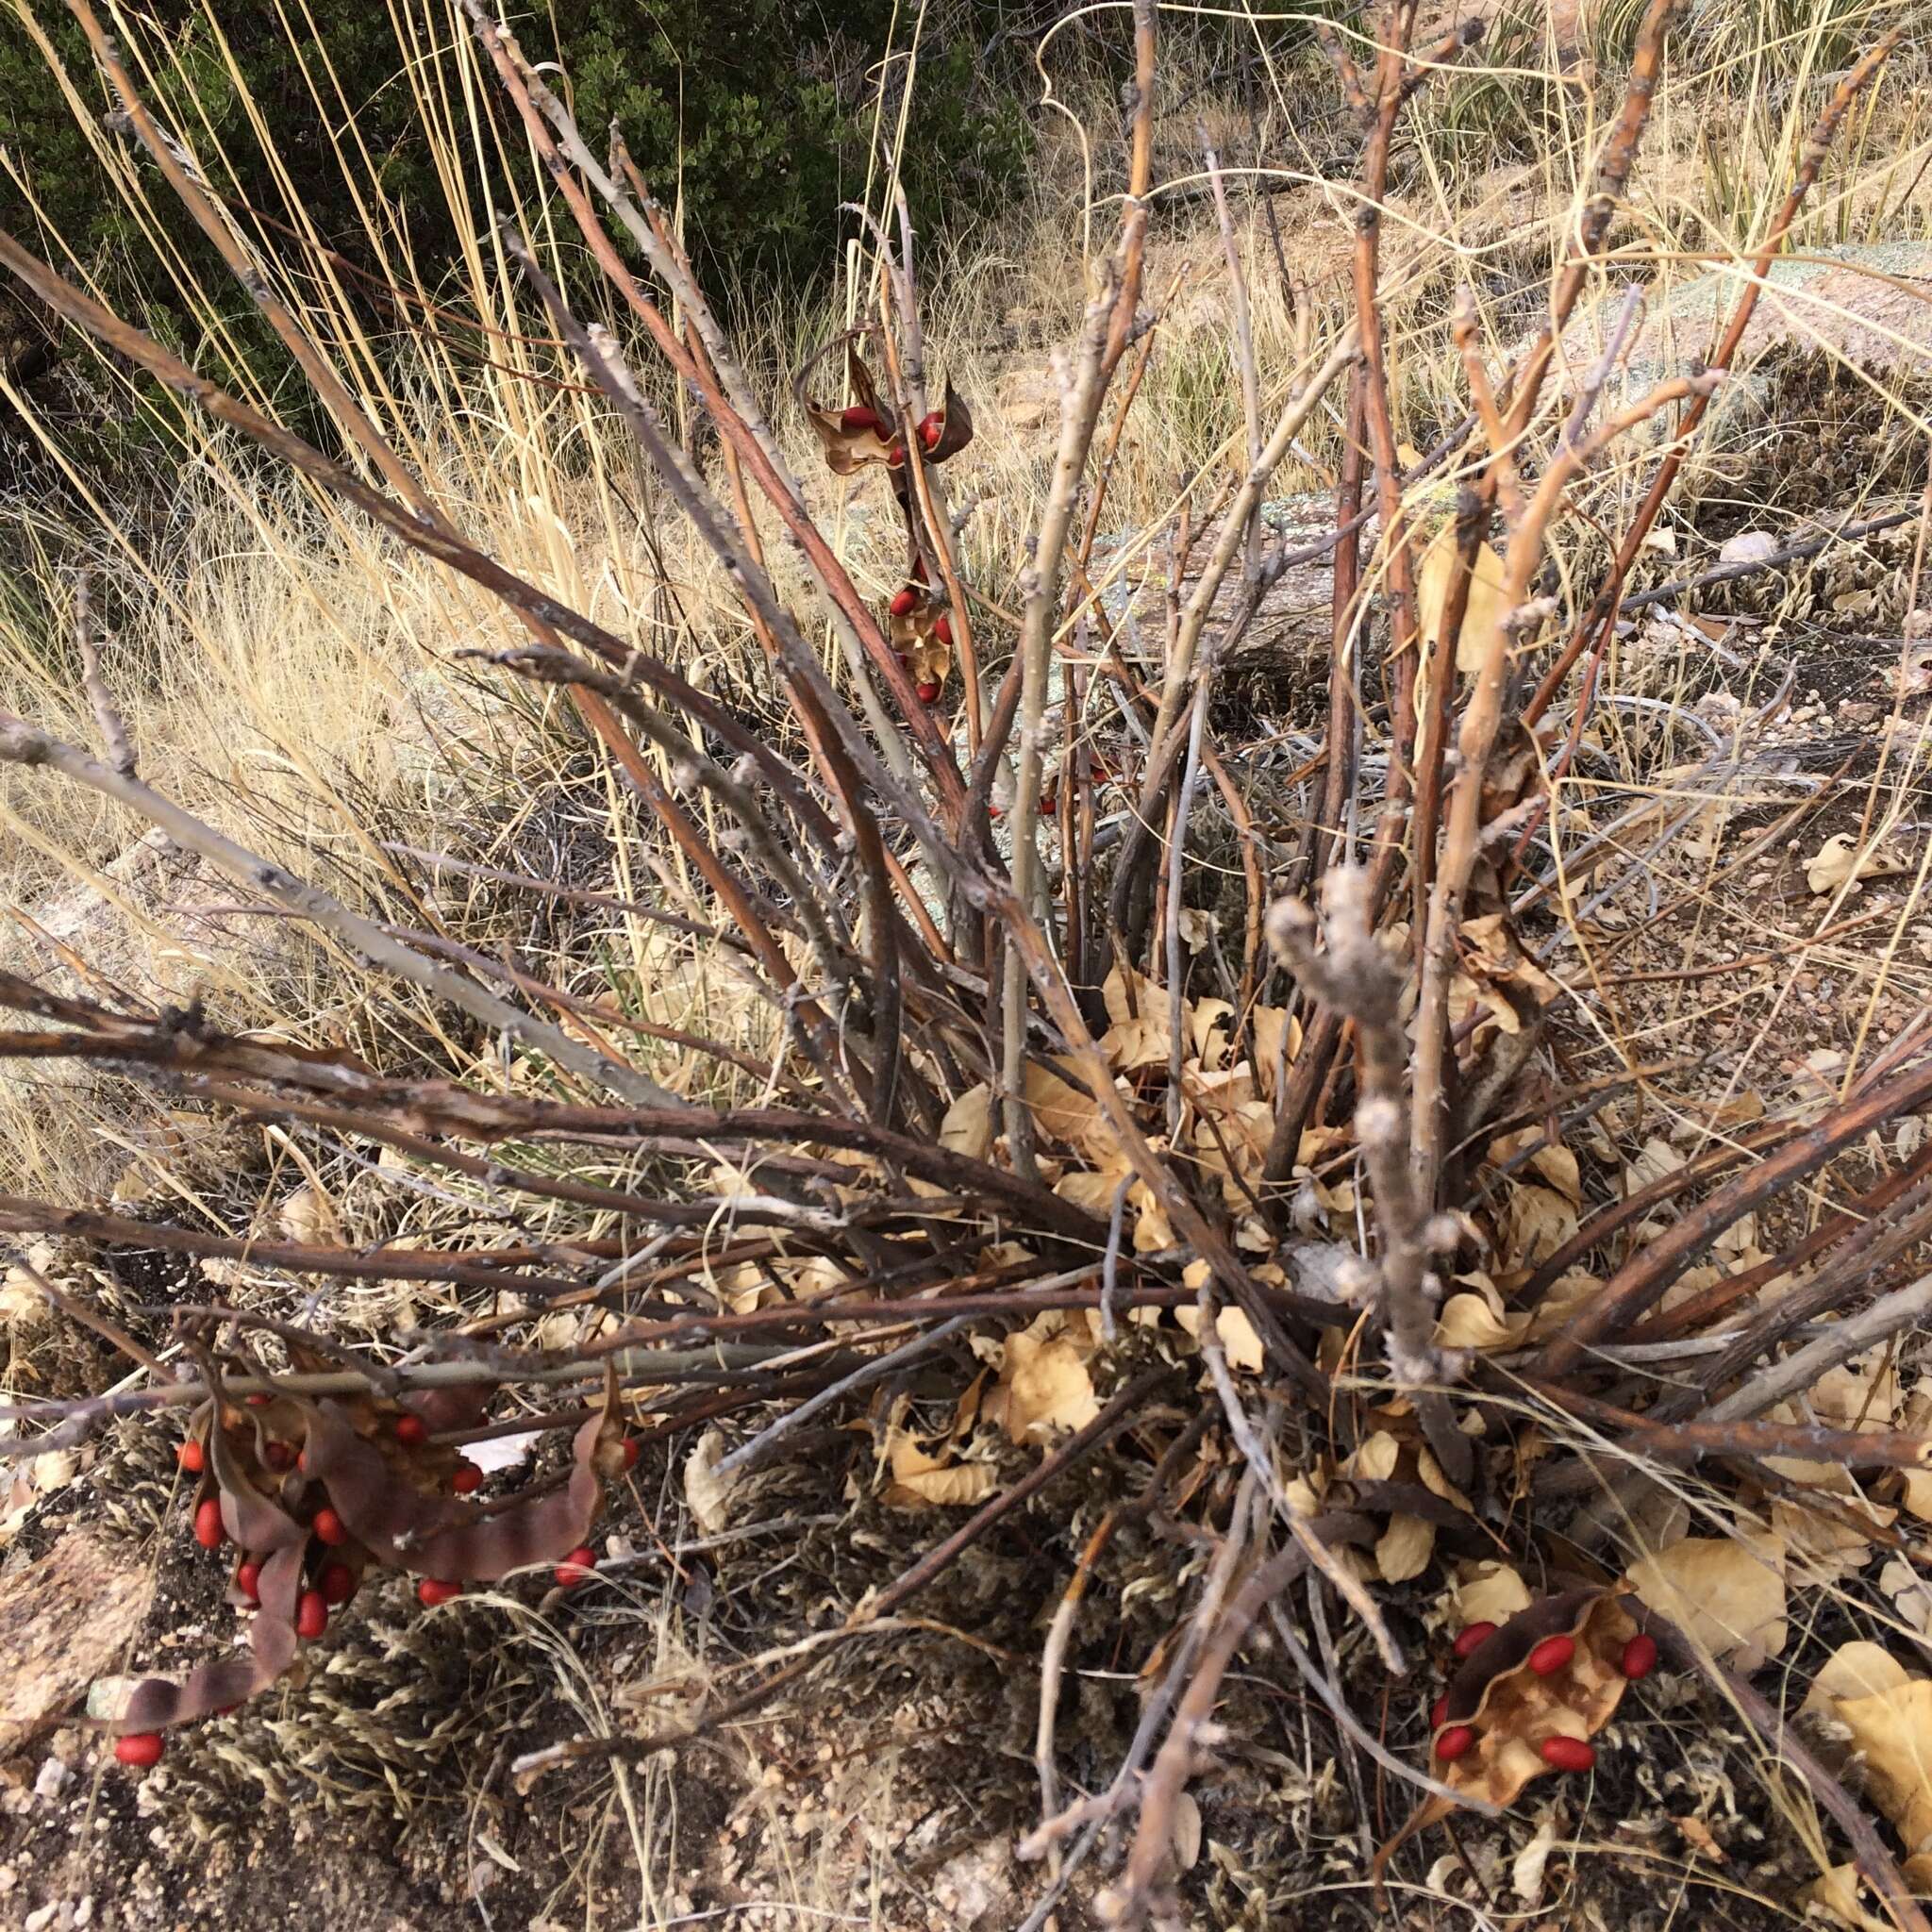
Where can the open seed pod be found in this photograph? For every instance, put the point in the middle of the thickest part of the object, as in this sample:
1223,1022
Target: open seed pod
861,433
945,431
367,1465
1526,1702
924,639
866,430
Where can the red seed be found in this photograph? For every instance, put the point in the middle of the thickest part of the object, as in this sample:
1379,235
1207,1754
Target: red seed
302,1463
904,601
630,1452
431,1591
208,1523
580,1566
258,1401
249,1581
337,1584
1049,805
928,690
943,631
1639,1657
311,1614
467,1478
931,428
895,457
1458,1740
1438,1711
411,1431
140,1749
279,1455
192,1458
1568,1754
1470,1640
859,417
328,1528
1551,1655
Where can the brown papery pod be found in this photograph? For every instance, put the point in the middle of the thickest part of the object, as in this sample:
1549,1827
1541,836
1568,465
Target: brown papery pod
849,443
1513,1711
955,426
277,1541
442,1537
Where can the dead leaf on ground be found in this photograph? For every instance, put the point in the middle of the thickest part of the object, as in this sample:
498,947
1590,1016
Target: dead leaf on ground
925,1481
707,1493
1839,861
1239,1341
968,1125
1043,1386
1834,1895
1487,1592
1727,1593
1403,1549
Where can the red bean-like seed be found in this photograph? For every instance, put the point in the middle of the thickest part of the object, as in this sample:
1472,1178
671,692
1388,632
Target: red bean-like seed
1552,1655
311,1614
411,1431
630,1452
895,457
931,428
467,1478
580,1566
192,1458
140,1749
1471,1639
433,1590
859,417
258,1401
208,1523
928,690
1438,1711
337,1584
249,1581
329,1528
943,630
279,1455
1458,1740
1639,1657
1568,1754
905,602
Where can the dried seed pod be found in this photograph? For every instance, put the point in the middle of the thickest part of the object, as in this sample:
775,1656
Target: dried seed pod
1520,1704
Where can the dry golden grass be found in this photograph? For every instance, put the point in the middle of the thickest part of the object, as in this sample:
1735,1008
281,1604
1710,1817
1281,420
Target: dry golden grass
298,683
